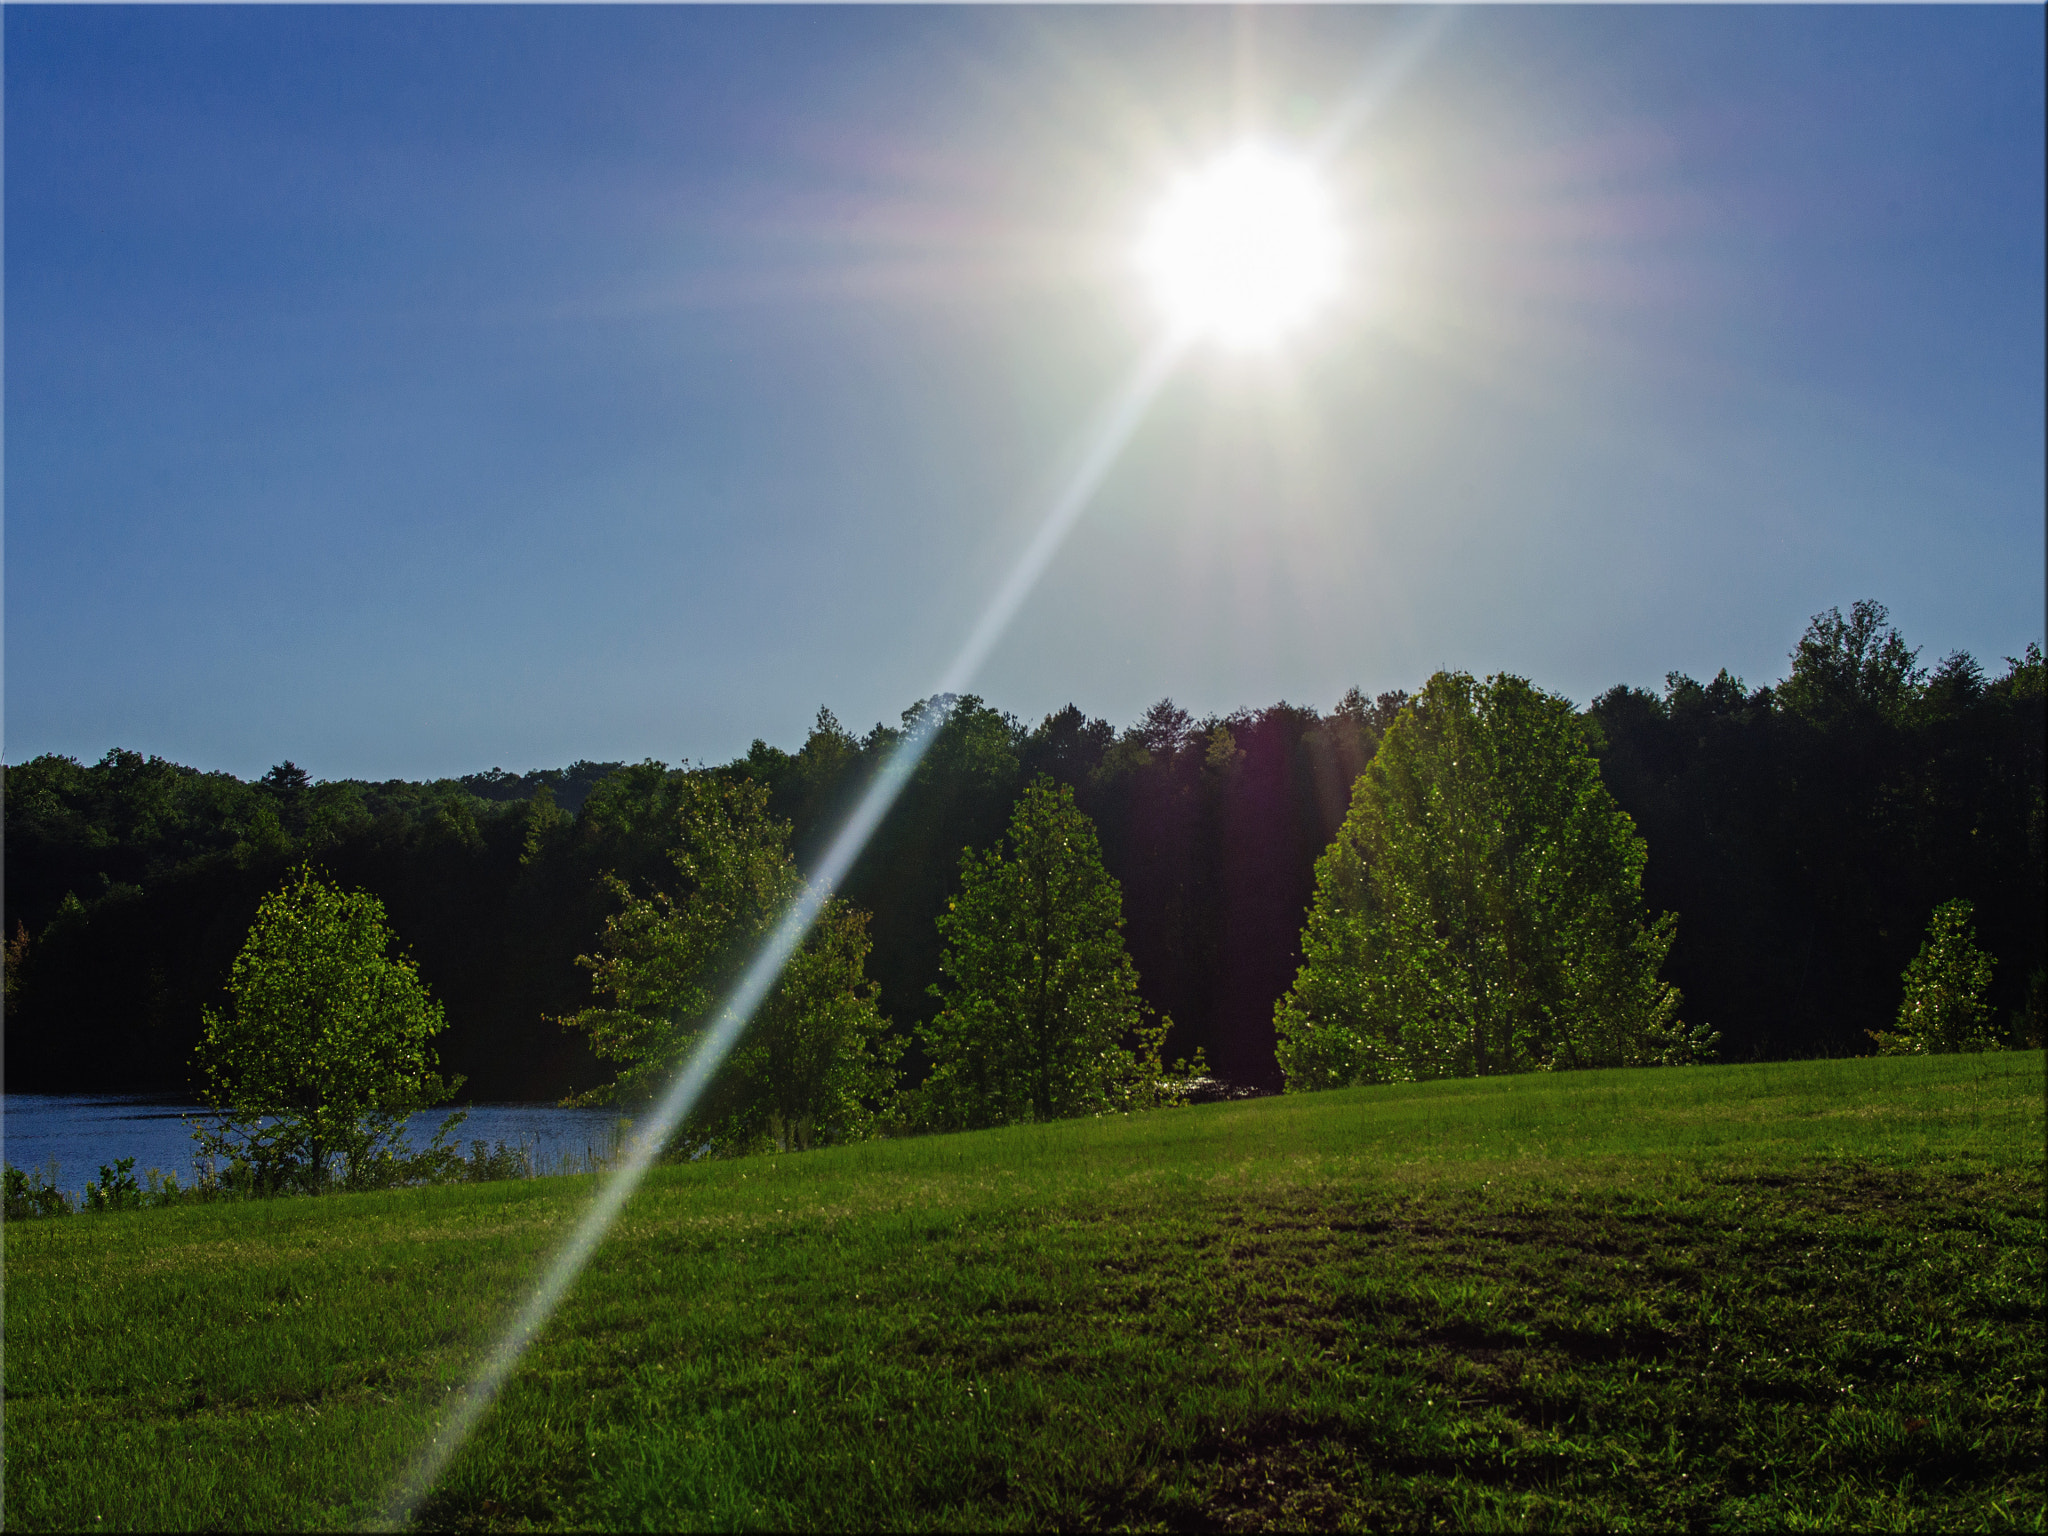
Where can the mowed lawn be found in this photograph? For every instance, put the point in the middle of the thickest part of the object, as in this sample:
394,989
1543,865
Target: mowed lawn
1784,1296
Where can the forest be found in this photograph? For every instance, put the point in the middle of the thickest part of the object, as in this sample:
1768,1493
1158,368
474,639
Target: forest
1802,832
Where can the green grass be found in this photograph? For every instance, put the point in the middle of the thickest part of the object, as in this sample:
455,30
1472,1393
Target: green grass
1804,1295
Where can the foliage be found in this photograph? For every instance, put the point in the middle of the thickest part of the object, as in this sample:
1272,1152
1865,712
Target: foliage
488,1165
1943,1009
1860,665
815,1064
16,963
136,881
34,1193
1804,830
1039,992
117,1190
1480,912
326,1050
2029,1026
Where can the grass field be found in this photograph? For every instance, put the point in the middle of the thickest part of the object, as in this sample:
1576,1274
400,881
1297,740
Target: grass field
1787,1296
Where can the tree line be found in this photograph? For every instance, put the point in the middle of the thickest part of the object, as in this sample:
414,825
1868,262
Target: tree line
1801,833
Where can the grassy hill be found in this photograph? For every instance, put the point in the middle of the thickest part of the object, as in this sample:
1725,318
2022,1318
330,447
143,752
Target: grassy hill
1796,1295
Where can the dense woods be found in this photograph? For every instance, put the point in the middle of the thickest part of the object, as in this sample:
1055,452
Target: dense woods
1802,832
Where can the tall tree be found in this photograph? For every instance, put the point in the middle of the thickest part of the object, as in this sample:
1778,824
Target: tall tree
1039,994
1067,745
1480,911
960,796
815,1063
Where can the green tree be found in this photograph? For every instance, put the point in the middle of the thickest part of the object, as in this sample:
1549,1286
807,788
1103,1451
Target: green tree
545,823
1845,669
1039,994
16,966
327,1049
1480,911
1943,1009
815,1064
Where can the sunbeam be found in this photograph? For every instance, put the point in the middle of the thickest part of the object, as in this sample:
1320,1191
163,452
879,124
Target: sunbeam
1381,80
1112,430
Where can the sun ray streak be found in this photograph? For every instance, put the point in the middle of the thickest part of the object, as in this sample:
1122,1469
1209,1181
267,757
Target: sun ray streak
1382,79
1111,432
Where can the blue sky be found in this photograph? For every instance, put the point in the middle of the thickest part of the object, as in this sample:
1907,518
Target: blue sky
408,391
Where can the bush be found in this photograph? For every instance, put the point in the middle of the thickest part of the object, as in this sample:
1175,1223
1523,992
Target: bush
34,1194
117,1189
485,1167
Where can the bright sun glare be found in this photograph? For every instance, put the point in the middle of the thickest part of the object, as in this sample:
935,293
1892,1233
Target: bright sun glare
1245,250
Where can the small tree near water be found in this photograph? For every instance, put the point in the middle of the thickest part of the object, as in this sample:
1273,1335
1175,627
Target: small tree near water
1943,1010
326,1049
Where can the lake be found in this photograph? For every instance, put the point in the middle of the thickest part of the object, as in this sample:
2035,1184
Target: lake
82,1131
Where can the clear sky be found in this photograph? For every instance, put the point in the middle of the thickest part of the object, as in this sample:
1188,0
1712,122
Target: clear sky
411,391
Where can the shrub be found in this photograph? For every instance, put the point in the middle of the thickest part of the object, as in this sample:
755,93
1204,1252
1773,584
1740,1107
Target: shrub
34,1194
485,1167
117,1189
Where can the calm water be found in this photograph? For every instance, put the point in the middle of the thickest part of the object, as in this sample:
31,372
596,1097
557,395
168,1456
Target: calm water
82,1131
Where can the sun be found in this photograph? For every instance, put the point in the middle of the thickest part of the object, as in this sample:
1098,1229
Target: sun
1245,250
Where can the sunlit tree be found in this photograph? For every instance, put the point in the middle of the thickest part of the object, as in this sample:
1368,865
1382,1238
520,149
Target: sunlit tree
327,1048
1040,997
1854,668
1943,1009
1480,910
